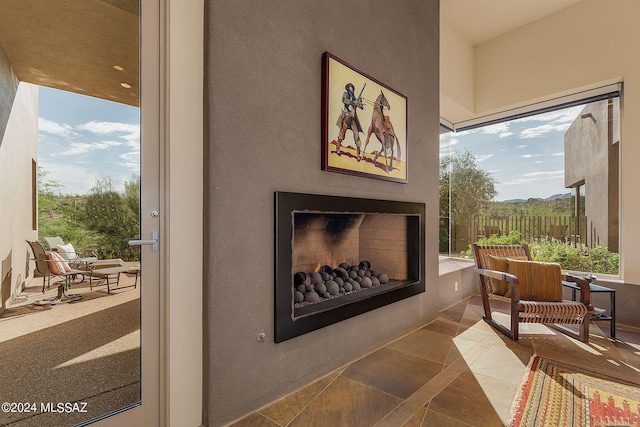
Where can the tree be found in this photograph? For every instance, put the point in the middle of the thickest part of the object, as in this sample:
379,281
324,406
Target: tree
465,189
114,217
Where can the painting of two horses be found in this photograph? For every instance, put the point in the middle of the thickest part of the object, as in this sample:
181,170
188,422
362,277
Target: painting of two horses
364,124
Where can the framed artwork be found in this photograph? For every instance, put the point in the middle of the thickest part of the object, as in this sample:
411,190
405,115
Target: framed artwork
364,124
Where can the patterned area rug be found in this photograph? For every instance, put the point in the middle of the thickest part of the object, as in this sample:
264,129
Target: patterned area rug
554,394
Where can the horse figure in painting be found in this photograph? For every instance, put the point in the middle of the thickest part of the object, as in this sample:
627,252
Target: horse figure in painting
383,129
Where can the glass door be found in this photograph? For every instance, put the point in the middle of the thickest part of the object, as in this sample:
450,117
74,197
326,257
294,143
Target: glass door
80,320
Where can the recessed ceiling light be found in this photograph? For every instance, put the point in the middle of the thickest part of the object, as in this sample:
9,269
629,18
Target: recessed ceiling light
118,67
125,85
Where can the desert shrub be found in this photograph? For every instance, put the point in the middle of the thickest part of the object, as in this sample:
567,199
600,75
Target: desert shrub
575,257
513,238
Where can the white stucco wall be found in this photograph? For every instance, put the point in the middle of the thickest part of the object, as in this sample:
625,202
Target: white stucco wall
17,149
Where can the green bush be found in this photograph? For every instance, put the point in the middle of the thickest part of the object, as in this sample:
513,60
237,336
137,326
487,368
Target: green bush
576,258
571,257
513,238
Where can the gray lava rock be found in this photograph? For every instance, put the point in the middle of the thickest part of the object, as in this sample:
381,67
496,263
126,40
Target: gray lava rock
332,287
321,288
348,287
298,297
315,277
301,288
353,274
383,278
375,281
366,282
339,281
312,297
342,273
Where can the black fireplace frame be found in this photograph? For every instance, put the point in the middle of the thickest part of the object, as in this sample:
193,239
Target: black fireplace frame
286,326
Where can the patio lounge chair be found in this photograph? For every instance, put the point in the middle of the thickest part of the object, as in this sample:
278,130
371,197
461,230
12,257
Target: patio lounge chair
50,265
69,252
533,290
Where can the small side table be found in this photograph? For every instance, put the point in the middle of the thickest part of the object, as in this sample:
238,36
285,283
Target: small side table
611,317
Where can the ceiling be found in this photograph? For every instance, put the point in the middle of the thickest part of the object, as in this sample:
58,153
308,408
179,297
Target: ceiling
478,21
74,45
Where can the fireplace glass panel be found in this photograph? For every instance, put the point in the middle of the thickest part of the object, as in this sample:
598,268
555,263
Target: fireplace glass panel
339,257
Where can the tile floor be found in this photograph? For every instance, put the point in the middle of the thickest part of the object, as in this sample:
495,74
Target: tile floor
455,371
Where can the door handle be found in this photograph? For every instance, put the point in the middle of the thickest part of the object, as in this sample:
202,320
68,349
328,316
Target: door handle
153,242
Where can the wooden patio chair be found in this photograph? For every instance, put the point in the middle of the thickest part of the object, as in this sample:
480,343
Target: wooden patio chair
533,290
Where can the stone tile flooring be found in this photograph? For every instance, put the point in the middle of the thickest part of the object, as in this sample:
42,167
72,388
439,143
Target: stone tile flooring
455,371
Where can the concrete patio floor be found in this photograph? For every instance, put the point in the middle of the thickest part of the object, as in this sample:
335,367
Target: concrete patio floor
87,351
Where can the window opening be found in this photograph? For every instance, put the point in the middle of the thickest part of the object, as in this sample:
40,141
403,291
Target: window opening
524,179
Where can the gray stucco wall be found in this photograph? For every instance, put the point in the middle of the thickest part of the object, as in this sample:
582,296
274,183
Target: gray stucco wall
586,145
263,126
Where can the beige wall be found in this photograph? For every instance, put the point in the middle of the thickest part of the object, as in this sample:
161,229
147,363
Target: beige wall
583,46
263,89
18,146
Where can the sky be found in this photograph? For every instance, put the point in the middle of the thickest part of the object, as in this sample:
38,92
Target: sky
82,139
525,156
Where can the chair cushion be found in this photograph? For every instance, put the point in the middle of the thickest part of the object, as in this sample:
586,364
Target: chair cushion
67,251
539,281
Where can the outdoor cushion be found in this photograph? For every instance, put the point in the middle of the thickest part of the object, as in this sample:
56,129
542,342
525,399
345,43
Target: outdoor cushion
57,264
539,281
499,287
67,251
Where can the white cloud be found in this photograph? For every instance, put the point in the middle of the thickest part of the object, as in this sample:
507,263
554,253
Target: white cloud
544,129
483,157
84,147
545,173
521,146
104,128
500,129
131,161
55,128
532,178
529,156
75,179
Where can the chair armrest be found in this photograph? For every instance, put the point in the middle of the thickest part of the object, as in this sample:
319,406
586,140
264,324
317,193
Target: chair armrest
501,275
585,293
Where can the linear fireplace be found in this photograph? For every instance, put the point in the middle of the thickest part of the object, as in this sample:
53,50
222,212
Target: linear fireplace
338,257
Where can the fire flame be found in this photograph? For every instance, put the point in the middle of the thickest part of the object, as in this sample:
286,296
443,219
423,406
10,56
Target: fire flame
329,260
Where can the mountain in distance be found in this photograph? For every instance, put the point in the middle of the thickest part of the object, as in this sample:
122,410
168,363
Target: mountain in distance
550,198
